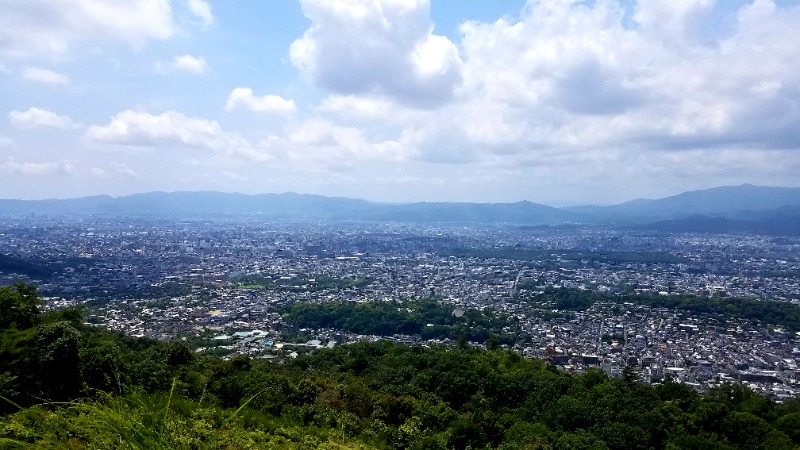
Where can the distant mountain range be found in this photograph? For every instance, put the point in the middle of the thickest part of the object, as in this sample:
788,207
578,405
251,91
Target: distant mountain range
292,206
783,221
738,209
720,201
745,209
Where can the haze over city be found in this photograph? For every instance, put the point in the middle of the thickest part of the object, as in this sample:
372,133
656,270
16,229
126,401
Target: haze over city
557,102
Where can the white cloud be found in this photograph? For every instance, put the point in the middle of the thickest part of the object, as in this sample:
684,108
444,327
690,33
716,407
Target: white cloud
172,129
124,170
44,76
363,108
50,27
202,9
671,21
233,176
332,144
41,118
190,64
578,78
584,89
30,168
98,172
243,98
377,47
567,90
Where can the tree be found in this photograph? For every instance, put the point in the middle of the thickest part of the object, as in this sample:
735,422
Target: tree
102,366
790,424
58,361
492,342
630,376
19,305
179,354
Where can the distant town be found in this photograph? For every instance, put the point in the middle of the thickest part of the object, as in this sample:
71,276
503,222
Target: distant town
233,286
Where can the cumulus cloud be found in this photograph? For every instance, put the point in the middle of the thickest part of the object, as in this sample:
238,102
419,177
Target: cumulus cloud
243,98
578,90
377,47
172,129
50,27
41,118
671,21
124,170
31,168
98,172
316,143
233,176
184,63
202,9
581,77
328,143
566,90
372,109
45,76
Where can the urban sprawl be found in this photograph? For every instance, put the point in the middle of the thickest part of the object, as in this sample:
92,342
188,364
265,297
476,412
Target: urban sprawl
225,286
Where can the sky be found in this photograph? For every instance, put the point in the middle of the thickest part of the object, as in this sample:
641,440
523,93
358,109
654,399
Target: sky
561,102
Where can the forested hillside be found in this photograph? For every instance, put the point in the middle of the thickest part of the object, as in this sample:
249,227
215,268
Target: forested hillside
66,385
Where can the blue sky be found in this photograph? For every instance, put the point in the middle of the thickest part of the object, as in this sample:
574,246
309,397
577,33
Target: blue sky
559,101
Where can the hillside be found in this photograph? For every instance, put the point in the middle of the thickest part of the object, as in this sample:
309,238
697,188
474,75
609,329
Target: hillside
290,206
784,221
726,201
66,385
737,203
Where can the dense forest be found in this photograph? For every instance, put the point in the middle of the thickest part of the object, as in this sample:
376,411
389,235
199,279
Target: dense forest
426,318
67,385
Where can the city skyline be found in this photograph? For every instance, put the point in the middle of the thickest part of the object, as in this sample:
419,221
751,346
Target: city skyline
556,102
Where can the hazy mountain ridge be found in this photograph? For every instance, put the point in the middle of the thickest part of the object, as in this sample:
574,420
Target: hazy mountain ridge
184,203
292,206
783,221
725,201
744,208
518,213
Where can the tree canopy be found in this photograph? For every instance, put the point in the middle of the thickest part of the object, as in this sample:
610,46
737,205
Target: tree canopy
67,385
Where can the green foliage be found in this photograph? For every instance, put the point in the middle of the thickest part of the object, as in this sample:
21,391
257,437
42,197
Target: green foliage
19,305
426,318
65,385
568,299
13,264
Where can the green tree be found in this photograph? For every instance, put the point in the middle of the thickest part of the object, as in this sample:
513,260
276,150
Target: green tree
790,424
492,342
58,361
19,305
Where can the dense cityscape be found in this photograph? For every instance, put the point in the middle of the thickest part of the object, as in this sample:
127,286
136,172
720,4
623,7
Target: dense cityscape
234,286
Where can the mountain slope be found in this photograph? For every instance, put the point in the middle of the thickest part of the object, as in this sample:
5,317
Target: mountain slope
731,202
723,201
292,206
517,213
784,221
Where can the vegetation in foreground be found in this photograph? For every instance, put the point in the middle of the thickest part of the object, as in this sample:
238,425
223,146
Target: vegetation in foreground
66,385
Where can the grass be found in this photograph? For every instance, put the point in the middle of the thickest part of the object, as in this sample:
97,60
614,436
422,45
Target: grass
155,422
